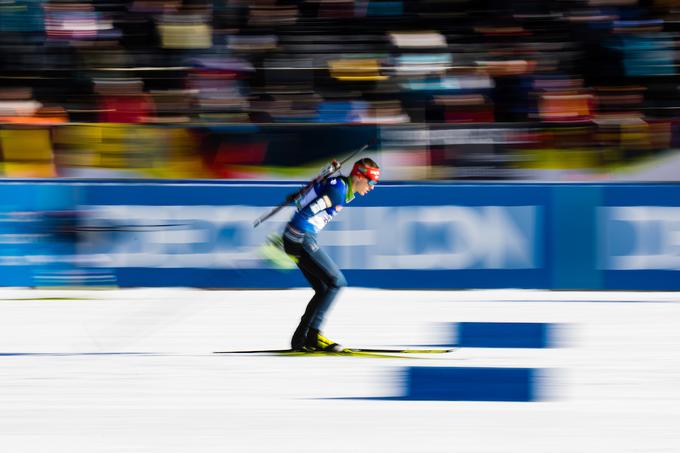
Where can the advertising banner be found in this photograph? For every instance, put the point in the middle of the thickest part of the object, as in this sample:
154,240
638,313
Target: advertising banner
402,235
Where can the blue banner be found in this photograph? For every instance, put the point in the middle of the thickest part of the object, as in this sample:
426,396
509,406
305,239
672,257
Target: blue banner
407,236
402,235
639,237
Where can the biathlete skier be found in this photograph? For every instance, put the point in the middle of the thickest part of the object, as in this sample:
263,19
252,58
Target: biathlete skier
315,209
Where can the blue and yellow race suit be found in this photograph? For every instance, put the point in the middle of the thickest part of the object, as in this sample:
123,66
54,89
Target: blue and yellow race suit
323,201
315,209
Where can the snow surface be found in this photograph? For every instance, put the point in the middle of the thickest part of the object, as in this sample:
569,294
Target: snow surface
133,371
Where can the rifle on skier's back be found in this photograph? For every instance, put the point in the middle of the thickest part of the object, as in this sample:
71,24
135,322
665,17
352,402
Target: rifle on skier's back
327,171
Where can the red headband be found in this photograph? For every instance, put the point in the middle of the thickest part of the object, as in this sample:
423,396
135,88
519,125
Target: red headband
371,173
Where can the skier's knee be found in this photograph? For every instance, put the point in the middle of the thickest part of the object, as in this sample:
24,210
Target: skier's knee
320,287
339,281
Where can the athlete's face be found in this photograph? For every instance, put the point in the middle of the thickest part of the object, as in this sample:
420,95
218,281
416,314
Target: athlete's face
363,186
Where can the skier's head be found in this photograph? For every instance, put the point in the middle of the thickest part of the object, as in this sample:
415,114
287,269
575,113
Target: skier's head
365,175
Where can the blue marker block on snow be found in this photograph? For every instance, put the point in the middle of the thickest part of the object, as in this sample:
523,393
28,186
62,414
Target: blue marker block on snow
503,335
470,384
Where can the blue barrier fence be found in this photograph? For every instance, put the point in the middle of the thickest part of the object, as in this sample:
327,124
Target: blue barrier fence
403,235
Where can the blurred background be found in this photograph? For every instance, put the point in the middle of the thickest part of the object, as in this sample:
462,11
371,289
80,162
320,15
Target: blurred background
558,90
108,107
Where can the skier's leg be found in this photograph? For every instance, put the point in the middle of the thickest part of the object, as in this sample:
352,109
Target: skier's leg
300,334
325,278
318,266
293,243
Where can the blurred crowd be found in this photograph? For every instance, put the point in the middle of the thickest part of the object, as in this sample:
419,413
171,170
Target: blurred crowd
598,77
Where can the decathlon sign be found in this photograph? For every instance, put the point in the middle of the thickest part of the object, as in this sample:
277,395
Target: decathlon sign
408,237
